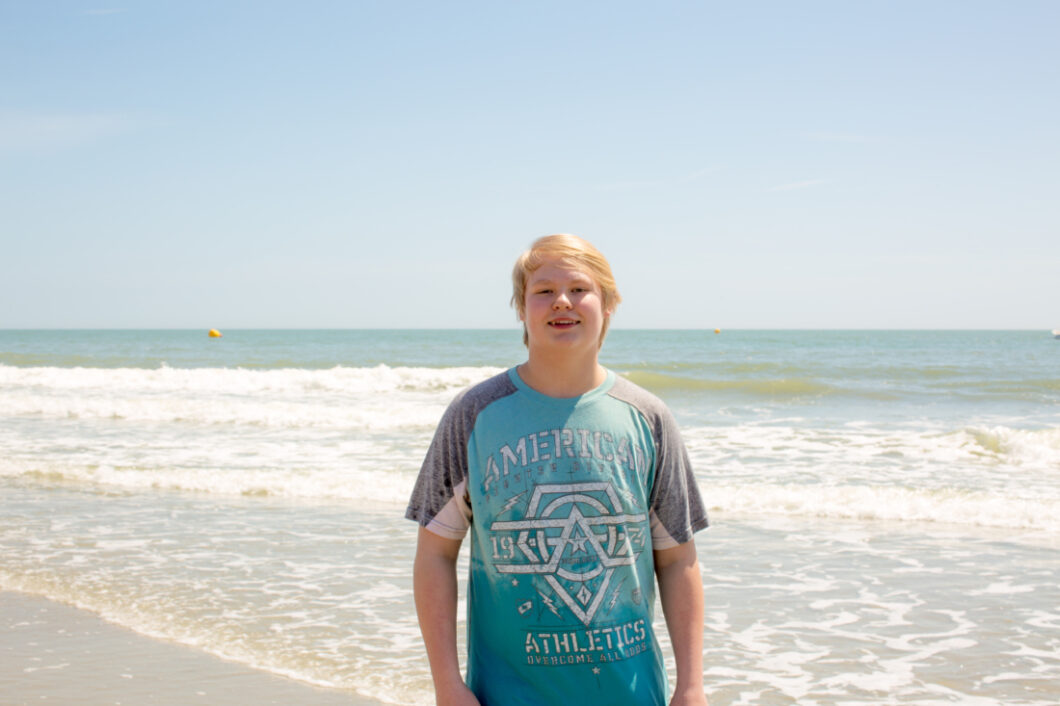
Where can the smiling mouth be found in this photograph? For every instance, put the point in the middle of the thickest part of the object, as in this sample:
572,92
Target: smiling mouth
563,323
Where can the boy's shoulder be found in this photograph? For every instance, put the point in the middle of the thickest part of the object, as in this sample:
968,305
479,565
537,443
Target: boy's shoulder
491,388
647,403
472,400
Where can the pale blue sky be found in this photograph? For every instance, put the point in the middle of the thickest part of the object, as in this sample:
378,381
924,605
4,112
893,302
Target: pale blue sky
381,164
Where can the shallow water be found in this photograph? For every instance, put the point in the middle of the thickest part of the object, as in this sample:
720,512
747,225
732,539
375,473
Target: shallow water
885,505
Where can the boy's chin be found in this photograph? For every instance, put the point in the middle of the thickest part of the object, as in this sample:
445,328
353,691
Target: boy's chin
575,337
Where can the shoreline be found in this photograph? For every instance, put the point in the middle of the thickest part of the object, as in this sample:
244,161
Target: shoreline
55,653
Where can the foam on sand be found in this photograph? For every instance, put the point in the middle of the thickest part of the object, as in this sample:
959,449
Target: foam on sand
55,653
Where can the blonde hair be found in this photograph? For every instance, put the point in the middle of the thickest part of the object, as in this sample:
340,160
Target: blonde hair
573,251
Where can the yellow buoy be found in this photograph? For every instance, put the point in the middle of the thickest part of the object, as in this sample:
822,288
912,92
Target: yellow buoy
717,330
214,333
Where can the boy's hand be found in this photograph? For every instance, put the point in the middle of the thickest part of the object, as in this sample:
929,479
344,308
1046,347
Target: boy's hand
689,697
458,696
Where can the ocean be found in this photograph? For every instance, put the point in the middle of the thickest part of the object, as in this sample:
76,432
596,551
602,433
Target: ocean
885,505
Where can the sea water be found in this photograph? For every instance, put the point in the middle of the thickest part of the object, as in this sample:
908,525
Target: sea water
885,505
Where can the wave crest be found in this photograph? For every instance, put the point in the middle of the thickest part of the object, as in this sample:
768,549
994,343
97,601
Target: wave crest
853,502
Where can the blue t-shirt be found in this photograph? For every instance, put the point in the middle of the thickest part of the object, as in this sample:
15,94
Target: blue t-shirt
566,500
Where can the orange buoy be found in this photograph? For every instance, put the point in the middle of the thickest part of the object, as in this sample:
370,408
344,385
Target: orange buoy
214,333
717,330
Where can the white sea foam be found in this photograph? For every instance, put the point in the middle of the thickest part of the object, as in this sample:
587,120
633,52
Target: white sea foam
860,445
993,477
381,378
885,503
379,397
1033,448
350,485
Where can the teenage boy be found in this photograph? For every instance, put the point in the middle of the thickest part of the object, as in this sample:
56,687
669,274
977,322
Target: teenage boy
579,495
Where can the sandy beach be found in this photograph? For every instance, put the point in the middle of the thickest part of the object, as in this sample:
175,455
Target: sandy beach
57,654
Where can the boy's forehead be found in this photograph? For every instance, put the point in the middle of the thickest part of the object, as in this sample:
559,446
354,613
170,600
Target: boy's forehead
551,267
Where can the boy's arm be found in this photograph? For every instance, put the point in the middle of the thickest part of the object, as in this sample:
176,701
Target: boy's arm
434,588
681,594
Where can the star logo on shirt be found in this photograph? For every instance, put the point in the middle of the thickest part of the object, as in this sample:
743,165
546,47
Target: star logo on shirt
574,535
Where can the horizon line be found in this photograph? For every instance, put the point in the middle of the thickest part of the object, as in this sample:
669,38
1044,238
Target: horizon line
613,329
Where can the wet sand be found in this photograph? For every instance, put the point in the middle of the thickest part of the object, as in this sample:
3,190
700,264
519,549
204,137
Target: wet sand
57,654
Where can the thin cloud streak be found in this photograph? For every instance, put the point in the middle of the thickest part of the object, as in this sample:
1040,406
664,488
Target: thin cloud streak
799,185
842,137
658,183
700,173
27,131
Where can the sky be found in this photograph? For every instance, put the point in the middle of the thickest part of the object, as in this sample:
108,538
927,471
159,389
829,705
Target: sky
380,164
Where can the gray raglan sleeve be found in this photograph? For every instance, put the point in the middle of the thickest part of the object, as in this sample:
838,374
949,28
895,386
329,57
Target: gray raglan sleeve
438,500
677,510
676,506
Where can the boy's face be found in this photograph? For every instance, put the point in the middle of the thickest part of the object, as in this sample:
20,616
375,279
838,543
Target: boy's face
563,308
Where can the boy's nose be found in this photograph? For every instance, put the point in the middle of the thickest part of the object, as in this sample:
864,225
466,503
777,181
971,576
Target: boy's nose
561,301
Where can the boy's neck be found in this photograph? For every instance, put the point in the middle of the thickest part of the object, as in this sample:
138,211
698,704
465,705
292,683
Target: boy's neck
562,376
